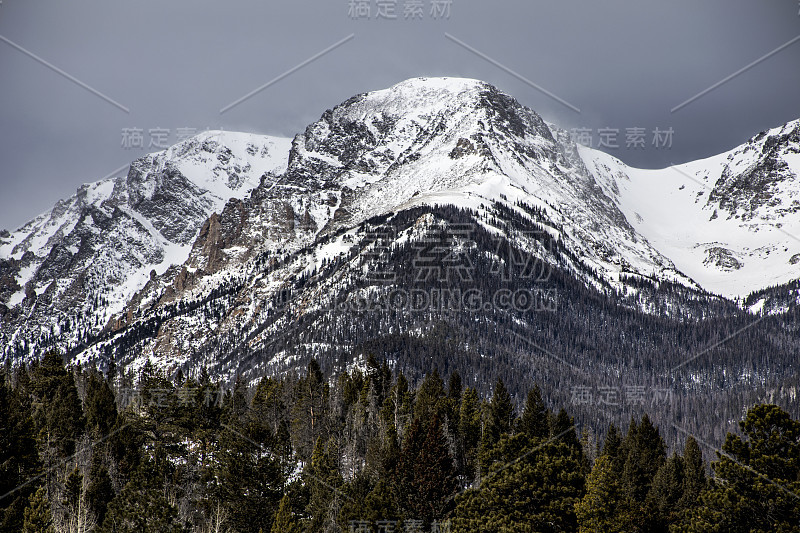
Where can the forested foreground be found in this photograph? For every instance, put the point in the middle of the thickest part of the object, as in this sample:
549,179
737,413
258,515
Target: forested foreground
364,451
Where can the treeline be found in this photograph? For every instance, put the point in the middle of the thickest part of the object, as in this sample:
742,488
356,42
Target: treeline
367,451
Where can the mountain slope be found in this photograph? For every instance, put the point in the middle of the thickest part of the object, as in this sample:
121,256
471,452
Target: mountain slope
70,270
465,143
730,222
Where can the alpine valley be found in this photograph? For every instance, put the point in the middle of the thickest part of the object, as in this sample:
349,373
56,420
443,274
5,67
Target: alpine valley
434,224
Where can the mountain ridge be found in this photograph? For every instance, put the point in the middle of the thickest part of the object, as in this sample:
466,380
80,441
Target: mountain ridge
102,244
422,143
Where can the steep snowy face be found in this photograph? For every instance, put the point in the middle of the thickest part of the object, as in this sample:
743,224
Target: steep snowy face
730,222
453,142
78,264
177,189
460,142
373,133
373,154
419,137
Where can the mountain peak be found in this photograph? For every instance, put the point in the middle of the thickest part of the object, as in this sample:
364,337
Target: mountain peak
372,133
793,126
422,96
425,88
440,83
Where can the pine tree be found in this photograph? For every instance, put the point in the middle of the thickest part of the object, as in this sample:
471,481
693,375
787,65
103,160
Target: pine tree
500,419
125,447
324,484
694,475
469,431
599,510
308,413
430,397
206,416
268,406
250,480
535,415
153,388
57,409
73,488
562,428
756,485
19,461
285,521
453,401
154,416
379,503
434,475
398,406
646,452
454,386
612,443
100,406
141,508
529,485
665,492
76,516
100,491
37,515
403,480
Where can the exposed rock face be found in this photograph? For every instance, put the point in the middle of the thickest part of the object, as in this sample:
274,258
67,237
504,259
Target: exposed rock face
758,176
722,258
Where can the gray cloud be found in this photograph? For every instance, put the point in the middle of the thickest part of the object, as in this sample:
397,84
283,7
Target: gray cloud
176,63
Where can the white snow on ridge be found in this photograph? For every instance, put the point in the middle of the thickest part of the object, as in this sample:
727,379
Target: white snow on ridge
458,149
726,255
219,165
259,153
422,95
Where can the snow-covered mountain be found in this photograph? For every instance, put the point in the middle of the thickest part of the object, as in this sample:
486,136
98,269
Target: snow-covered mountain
449,141
223,252
730,222
73,268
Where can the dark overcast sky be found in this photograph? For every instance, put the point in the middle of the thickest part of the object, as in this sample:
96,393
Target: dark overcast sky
176,63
